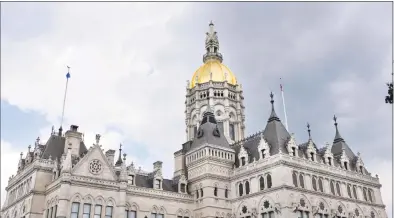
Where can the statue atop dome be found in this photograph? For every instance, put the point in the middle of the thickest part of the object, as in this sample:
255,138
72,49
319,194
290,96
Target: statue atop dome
212,45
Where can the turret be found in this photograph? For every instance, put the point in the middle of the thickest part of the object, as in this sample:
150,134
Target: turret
73,140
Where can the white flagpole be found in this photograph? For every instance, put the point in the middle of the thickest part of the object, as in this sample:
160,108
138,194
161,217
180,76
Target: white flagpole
284,105
65,94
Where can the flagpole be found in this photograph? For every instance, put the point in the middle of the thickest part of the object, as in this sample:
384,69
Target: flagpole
284,105
65,94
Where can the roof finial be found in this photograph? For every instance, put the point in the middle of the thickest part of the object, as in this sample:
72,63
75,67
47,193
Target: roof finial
124,157
273,115
338,136
309,130
28,147
119,161
335,121
21,155
53,130
60,131
98,136
212,45
272,99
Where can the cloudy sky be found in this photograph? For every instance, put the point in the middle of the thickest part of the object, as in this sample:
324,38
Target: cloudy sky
130,63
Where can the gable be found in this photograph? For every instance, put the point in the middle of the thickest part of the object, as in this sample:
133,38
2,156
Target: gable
94,164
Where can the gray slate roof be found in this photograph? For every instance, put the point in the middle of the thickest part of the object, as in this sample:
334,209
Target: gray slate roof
208,132
55,147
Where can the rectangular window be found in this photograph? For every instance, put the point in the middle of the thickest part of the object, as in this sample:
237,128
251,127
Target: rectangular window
51,212
194,131
55,213
131,179
157,183
131,214
97,211
74,210
153,215
156,215
108,212
183,188
86,210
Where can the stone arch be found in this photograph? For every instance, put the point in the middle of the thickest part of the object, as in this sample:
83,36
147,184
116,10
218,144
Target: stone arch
99,200
134,206
76,198
127,206
356,206
179,212
154,209
308,204
262,205
327,207
53,202
163,210
187,213
88,199
371,209
340,204
232,115
110,202
241,206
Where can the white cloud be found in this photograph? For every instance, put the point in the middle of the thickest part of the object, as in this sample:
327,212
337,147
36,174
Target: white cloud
9,162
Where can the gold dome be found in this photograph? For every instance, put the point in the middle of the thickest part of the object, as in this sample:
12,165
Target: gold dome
220,73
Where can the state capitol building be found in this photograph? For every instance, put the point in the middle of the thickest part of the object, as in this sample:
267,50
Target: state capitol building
219,172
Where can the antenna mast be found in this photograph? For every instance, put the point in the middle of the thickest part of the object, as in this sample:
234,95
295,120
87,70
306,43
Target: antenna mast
65,94
284,105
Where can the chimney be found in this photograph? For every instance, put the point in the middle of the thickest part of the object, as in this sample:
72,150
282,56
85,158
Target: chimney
110,154
74,128
73,140
157,165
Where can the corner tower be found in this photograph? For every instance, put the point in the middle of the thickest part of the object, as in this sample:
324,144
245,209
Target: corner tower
215,82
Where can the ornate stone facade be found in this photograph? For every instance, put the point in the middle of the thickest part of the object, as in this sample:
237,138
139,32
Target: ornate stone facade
218,172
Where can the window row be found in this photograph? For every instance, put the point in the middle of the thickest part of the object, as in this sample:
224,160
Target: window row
87,211
264,183
335,187
20,190
51,212
200,193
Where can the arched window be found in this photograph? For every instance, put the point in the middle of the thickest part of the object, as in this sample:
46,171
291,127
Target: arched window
226,193
332,187
349,191
365,194
302,181
295,179
197,194
261,183
321,213
355,192
314,183
320,185
202,192
302,211
232,131
338,189
370,195
215,191
267,210
372,214
240,189
269,181
247,188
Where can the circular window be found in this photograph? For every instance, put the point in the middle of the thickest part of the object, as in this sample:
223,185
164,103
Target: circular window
95,167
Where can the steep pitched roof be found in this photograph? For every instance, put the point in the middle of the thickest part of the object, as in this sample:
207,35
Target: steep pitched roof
208,132
55,147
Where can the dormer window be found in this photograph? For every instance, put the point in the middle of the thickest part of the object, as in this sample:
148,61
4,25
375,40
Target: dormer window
361,169
243,162
157,183
345,164
263,153
215,191
130,180
312,156
183,188
329,161
293,151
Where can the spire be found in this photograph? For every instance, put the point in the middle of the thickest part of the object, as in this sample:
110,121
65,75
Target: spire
212,45
273,115
119,161
309,131
338,136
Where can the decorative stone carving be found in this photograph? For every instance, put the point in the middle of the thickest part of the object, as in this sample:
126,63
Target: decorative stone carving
95,167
